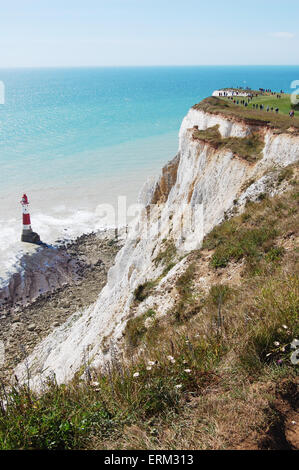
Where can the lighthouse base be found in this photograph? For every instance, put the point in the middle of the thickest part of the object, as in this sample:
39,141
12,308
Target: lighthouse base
31,237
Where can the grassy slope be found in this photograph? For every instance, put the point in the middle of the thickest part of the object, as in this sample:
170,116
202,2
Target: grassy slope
214,380
249,148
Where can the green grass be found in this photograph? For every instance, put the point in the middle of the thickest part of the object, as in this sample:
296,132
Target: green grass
269,339
281,122
243,243
267,99
249,148
253,236
84,414
240,238
284,103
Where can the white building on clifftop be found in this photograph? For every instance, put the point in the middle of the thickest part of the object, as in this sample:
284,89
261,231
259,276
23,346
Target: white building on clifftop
231,92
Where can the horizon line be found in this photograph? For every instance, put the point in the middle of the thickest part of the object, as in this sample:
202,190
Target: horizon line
140,66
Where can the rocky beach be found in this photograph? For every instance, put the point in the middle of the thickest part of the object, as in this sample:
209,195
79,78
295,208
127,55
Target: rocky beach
53,284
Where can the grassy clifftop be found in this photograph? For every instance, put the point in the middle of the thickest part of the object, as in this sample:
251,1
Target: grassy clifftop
214,373
281,121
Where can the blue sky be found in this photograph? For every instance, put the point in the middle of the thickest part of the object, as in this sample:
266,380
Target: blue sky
39,33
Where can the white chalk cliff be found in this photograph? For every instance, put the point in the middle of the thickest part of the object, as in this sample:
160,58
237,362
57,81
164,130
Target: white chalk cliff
202,180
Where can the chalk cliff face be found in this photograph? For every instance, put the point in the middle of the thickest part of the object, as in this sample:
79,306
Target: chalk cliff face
194,193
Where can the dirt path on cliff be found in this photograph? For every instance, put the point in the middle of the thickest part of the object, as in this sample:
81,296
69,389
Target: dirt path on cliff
73,282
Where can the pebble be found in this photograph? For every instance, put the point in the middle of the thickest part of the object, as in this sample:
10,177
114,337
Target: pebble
15,320
32,327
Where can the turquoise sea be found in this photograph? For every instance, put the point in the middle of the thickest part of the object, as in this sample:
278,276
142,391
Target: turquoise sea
76,138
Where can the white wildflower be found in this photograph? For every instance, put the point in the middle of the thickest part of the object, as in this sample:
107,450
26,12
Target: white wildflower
148,322
149,368
171,359
188,371
276,343
178,387
94,384
136,374
151,363
285,327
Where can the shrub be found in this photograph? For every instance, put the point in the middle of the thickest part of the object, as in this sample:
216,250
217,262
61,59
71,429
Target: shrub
144,290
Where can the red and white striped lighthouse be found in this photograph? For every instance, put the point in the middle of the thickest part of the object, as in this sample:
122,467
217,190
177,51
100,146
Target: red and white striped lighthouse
26,215
28,235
